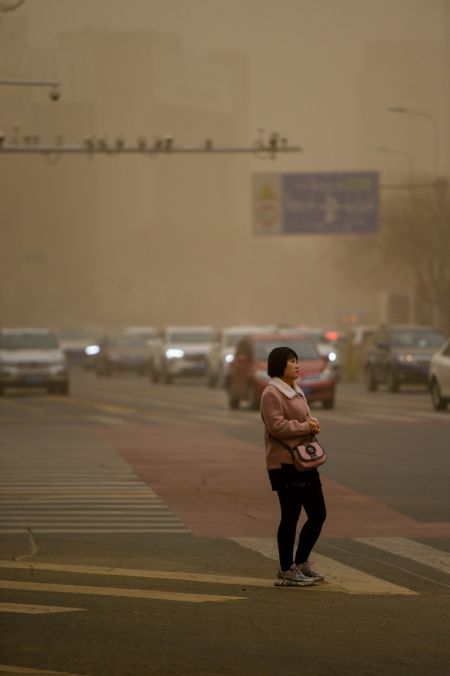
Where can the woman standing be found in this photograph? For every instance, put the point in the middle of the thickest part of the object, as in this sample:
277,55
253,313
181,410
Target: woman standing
288,423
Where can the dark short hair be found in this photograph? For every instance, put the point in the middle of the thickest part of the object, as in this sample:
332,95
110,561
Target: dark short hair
278,359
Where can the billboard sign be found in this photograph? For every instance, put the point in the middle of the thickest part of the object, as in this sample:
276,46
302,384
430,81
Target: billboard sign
322,203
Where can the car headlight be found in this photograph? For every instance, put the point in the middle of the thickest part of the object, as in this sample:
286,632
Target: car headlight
332,356
174,353
228,358
405,358
92,350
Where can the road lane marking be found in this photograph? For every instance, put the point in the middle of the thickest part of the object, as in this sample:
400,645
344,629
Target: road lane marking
35,609
9,669
389,417
132,572
339,577
116,592
409,549
105,420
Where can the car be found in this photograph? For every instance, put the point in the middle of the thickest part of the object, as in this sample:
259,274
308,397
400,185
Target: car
74,342
353,350
181,351
121,352
32,357
247,376
326,343
222,352
439,377
400,354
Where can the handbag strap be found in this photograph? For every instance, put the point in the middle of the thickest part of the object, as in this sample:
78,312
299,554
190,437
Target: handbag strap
312,438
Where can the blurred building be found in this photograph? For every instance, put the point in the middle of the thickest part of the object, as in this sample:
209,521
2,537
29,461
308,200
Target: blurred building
131,239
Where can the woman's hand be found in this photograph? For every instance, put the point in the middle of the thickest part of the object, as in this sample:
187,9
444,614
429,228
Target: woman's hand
314,425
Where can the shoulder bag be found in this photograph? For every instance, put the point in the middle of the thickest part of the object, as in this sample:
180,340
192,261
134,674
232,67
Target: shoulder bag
308,455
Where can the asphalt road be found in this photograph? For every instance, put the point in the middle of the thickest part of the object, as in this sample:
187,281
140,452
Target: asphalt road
137,537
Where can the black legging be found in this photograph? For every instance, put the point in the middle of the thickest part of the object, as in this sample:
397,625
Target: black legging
292,499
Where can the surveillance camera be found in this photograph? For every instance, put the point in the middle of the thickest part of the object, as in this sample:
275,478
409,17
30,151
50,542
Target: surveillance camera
54,94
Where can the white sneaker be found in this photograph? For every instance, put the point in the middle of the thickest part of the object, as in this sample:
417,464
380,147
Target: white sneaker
293,578
306,570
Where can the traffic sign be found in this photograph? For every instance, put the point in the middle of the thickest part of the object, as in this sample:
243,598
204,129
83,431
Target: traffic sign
322,203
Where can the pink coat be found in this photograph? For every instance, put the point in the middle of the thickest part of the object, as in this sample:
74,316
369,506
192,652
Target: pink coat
285,413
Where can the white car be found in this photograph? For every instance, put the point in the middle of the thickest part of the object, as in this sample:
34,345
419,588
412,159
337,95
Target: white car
182,351
439,377
325,344
32,358
222,353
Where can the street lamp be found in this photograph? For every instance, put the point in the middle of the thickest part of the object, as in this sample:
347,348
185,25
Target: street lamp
431,119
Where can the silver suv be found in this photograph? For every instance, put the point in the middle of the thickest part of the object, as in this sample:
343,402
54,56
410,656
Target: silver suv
182,351
32,358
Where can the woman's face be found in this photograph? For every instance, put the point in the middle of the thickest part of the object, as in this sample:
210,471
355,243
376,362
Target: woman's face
291,372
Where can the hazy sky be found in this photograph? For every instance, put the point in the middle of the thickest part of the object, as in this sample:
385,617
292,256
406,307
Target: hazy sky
306,57
321,72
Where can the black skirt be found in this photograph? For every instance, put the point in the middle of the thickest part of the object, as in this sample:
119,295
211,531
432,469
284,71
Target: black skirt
288,475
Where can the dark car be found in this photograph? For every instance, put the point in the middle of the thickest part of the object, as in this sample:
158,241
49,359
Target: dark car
400,354
121,352
247,375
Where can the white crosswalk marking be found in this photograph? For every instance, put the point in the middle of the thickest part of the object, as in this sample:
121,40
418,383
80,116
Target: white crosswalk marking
415,551
339,577
77,491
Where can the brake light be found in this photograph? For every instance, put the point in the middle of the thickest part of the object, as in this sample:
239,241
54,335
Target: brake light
331,335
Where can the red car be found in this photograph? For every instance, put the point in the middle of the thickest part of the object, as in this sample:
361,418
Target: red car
247,375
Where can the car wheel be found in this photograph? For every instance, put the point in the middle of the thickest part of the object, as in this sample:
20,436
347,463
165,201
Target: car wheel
371,383
154,374
253,398
328,404
393,384
2,390
64,388
212,380
166,377
439,403
233,402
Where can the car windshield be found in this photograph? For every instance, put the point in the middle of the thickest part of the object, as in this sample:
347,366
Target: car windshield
415,338
305,350
28,341
233,339
74,334
192,337
135,340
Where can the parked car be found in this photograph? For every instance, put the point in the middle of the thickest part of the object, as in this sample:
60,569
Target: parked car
182,351
121,352
400,354
32,358
247,376
439,377
222,352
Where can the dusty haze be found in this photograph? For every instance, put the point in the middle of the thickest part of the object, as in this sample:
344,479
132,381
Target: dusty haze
115,240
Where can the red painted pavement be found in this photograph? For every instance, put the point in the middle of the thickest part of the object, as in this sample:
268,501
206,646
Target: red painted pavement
217,485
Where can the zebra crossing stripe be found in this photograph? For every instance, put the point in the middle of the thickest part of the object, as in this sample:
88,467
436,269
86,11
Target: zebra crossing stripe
339,576
10,669
410,549
34,609
117,592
